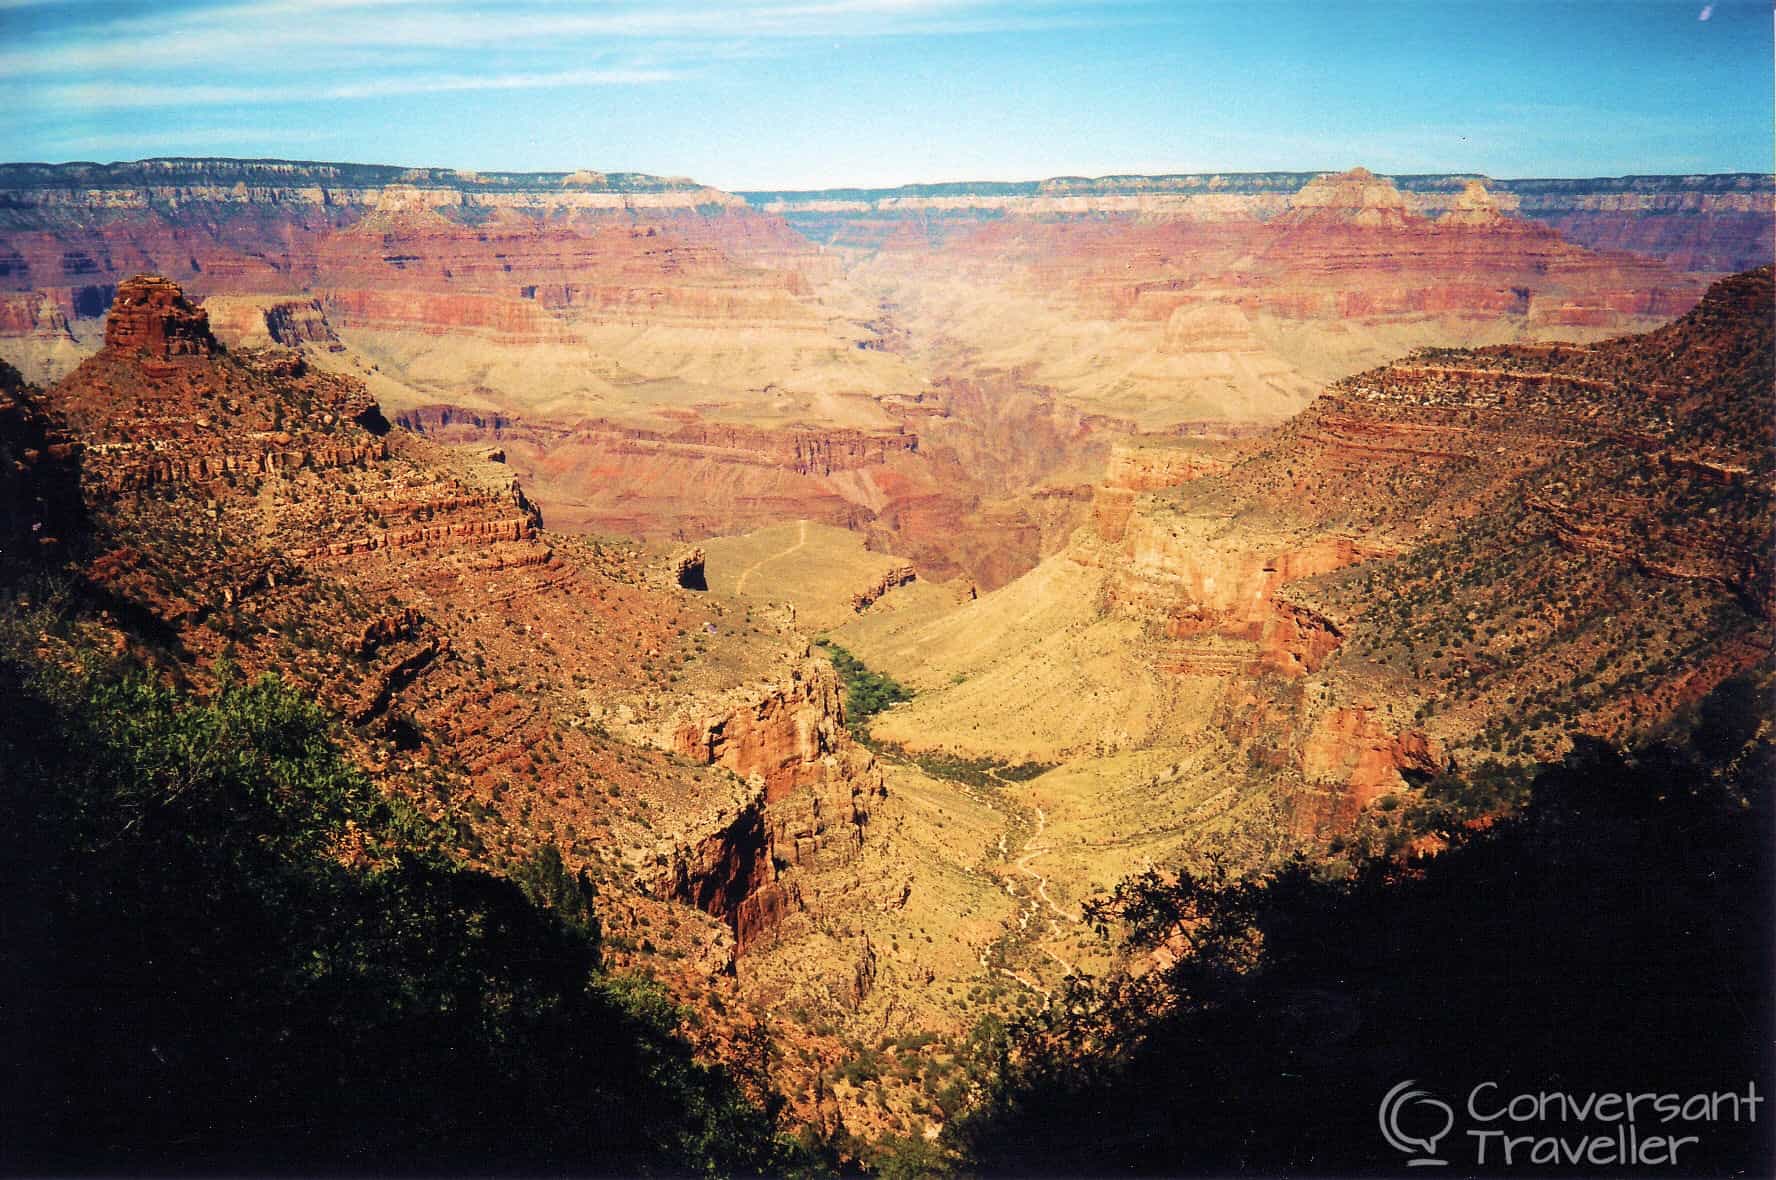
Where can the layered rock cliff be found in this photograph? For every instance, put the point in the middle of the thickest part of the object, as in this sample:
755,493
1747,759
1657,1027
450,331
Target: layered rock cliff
248,507
664,361
1710,224
1460,558
811,810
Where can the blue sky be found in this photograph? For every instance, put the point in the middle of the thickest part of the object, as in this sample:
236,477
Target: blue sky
815,93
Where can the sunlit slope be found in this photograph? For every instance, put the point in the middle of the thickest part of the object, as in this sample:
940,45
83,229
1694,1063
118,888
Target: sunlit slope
1031,672
761,375
1152,374
815,568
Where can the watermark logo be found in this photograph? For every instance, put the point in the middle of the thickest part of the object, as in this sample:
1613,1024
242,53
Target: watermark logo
1427,1111
1588,1129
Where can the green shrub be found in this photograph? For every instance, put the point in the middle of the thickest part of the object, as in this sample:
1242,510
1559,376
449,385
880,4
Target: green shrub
227,948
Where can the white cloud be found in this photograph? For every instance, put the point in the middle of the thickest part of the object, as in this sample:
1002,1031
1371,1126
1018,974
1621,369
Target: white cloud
238,33
169,143
117,95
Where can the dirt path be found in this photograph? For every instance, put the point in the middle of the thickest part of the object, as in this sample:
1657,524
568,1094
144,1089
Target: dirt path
1036,900
801,539
1031,851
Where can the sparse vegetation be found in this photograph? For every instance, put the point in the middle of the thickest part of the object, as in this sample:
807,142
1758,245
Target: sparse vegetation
866,693
976,772
1297,996
232,948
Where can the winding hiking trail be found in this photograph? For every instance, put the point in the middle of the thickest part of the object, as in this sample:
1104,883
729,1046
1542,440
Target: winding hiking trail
1036,900
801,539
1031,851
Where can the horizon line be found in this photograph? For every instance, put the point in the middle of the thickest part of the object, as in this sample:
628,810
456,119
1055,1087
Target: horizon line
863,188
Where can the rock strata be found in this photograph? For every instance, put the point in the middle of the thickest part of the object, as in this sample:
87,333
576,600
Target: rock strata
151,315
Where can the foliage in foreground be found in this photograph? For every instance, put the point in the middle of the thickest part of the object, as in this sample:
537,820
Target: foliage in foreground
226,949
1610,935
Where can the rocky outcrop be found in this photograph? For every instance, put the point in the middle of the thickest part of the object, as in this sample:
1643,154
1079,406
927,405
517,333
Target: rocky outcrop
1477,206
685,569
1355,746
812,808
259,322
803,452
389,629
1145,469
393,675
125,467
456,423
476,531
1297,639
1356,197
782,734
900,575
729,874
1189,580
151,315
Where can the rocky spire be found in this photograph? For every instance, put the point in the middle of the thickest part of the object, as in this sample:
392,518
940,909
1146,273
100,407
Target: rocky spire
151,315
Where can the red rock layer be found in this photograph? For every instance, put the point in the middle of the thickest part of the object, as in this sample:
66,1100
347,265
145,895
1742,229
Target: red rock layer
151,315
813,807
1348,247
252,507
1512,542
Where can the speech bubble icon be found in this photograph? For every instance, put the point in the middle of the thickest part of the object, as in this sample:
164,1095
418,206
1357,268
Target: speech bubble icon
1397,1100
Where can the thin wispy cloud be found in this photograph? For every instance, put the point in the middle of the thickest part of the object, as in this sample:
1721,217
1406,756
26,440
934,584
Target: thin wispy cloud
60,62
230,34
768,93
186,139
110,95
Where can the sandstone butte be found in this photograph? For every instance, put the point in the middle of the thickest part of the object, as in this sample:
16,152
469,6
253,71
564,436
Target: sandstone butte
1131,548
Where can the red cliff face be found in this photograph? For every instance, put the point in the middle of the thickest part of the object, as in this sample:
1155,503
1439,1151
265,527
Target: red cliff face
1365,754
413,590
781,737
1349,246
151,315
813,808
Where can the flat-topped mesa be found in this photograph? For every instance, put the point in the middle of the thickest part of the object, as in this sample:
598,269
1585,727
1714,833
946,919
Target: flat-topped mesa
151,314
1357,197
